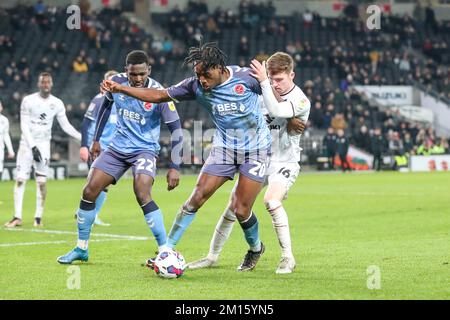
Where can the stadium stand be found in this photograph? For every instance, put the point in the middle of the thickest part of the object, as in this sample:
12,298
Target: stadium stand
332,55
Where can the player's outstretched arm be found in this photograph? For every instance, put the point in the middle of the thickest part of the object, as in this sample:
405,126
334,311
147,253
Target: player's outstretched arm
176,134
143,94
8,143
84,149
67,127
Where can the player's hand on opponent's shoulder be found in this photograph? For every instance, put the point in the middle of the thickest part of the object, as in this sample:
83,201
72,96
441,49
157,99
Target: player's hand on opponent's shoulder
173,179
95,150
111,86
295,126
84,154
259,71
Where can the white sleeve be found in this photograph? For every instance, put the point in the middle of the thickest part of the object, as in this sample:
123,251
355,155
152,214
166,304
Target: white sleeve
302,108
65,124
284,109
7,139
24,123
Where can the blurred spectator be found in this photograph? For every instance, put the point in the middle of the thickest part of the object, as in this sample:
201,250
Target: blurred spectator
440,148
330,144
362,140
404,64
23,64
44,65
342,145
425,148
307,18
338,122
377,147
100,66
430,18
408,144
243,48
167,46
316,115
79,65
395,144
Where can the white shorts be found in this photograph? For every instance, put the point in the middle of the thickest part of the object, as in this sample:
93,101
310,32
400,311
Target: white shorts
283,172
25,161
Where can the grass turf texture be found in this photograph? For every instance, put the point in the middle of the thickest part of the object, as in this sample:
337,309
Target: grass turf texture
340,225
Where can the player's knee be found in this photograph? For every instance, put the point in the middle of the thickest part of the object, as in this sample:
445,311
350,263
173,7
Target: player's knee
241,210
272,205
20,182
90,193
41,180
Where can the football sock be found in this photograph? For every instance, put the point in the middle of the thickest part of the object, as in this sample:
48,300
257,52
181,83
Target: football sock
18,199
221,233
100,201
251,232
281,225
40,201
154,218
85,219
182,221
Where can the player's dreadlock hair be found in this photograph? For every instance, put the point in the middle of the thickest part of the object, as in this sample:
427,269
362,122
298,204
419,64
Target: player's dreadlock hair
209,54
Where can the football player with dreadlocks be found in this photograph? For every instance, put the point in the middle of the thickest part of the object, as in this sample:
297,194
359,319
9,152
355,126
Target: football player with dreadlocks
241,143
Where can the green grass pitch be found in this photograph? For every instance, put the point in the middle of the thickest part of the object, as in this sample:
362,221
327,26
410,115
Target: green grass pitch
340,225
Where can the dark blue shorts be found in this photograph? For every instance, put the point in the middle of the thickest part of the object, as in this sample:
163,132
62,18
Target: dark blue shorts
223,162
116,163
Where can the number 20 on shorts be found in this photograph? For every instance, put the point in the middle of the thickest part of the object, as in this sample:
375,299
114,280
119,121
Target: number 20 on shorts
259,170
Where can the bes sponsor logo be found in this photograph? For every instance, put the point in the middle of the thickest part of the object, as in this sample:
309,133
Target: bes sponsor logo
132,116
228,108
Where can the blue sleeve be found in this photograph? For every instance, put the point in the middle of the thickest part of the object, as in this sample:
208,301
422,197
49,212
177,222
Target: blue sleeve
185,90
103,115
168,112
94,105
120,78
91,112
251,82
85,125
176,138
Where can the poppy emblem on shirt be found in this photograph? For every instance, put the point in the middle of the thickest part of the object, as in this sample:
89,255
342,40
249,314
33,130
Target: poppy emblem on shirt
239,89
148,106
303,102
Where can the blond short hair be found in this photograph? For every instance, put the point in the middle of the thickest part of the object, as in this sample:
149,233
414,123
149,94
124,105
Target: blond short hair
280,62
109,74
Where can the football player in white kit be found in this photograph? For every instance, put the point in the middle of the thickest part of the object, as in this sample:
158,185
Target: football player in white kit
5,140
37,112
283,168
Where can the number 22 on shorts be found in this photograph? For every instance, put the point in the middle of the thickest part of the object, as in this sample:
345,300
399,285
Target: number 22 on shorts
145,164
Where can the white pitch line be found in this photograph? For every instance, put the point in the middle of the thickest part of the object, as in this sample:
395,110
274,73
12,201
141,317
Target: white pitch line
53,242
118,236
30,243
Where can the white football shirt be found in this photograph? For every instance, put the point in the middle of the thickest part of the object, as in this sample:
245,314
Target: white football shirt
41,114
286,147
